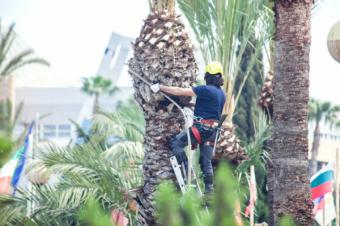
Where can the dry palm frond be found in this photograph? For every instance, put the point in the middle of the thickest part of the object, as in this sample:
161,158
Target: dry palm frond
228,147
266,95
163,53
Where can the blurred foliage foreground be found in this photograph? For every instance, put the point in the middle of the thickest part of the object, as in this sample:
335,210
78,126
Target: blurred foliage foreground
95,181
175,209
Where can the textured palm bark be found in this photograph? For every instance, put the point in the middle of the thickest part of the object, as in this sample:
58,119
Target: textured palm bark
156,167
313,165
7,91
162,53
95,103
6,88
288,182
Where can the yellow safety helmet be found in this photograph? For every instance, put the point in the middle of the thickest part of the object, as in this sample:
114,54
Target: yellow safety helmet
214,67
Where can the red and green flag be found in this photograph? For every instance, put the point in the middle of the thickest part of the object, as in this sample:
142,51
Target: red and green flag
321,185
11,172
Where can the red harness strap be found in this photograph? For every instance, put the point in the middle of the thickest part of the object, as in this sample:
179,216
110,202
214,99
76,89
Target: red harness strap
209,122
196,134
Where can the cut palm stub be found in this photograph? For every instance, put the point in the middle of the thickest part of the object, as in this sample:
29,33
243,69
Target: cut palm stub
228,146
266,95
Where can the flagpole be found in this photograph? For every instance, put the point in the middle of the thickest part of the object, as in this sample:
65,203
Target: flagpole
36,135
238,217
34,145
337,187
252,173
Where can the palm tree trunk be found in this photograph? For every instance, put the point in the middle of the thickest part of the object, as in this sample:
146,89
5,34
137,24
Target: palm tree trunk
313,165
160,128
288,181
96,103
6,88
162,53
7,92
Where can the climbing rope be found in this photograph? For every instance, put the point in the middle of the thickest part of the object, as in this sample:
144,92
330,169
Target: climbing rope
186,117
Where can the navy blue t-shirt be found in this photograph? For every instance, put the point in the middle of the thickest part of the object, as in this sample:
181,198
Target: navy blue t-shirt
209,103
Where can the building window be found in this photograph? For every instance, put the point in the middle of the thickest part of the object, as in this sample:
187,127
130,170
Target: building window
64,130
49,131
114,57
109,51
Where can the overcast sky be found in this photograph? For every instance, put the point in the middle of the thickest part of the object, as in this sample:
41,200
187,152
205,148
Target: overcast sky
72,35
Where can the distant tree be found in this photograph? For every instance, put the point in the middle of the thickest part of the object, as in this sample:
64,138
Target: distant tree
246,109
8,118
25,57
97,86
325,112
11,61
8,121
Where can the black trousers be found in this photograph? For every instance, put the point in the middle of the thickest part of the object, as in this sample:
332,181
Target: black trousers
178,144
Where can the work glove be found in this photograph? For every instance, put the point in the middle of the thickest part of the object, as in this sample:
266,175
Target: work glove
155,88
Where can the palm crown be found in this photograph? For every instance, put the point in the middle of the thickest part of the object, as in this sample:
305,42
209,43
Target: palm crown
10,64
97,86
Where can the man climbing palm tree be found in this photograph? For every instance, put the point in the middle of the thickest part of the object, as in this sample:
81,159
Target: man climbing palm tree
208,108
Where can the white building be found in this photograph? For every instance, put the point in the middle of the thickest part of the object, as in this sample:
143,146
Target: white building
116,55
58,105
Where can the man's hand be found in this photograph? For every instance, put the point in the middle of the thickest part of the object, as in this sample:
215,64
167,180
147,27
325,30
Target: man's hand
155,88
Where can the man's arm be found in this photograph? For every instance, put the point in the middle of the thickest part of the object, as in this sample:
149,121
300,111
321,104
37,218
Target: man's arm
177,91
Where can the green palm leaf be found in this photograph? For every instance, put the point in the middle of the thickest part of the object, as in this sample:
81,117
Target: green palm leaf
218,24
19,60
127,124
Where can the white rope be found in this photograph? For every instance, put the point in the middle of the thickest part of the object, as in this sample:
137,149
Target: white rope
186,120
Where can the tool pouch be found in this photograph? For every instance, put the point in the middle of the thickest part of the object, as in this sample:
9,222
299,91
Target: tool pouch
207,133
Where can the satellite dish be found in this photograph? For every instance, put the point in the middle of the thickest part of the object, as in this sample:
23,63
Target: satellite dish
333,41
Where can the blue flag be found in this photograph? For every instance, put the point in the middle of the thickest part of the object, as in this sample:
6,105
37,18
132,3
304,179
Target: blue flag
22,156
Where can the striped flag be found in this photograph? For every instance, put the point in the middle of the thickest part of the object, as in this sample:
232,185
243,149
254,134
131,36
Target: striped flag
253,192
11,172
321,185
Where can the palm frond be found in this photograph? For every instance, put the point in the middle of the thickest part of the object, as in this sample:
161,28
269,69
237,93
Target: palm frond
121,123
82,172
80,131
24,62
224,29
85,172
6,42
101,170
25,57
98,85
13,211
323,111
125,153
20,60
255,150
